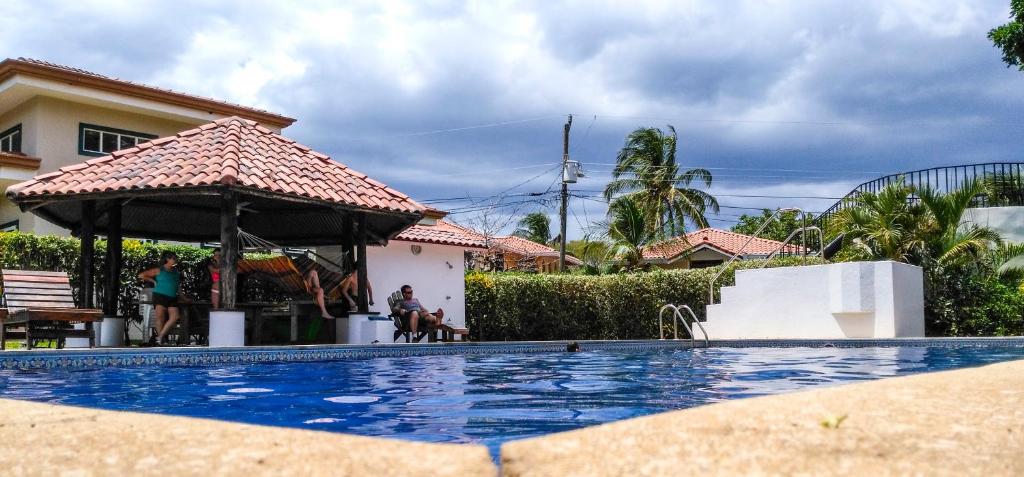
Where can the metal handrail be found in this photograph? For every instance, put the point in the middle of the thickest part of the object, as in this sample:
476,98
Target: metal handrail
677,315
707,342
661,325
775,252
725,266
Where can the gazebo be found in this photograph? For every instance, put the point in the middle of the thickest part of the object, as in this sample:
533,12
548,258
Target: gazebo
206,183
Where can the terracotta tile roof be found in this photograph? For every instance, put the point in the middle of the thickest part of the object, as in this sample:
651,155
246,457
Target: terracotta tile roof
443,233
521,246
17,159
228,152
67,74
728,242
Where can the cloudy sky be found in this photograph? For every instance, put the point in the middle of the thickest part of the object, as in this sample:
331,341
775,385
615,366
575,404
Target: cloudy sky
446,99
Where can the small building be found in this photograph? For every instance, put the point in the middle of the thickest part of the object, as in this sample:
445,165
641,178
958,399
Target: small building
430,257
517,253
52,116
710,247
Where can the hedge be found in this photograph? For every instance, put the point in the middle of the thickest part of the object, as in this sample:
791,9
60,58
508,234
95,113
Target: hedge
518,306
63,254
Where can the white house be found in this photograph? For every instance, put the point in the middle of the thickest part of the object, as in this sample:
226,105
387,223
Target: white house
429,257
53,116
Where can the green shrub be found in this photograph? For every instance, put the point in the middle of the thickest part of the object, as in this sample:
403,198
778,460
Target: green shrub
962,302
518,306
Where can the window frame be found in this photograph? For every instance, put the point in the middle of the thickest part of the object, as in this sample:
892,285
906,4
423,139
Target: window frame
82,151
16,129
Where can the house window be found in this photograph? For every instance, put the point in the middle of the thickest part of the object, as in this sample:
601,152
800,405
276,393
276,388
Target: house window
99,140
10,140
11,226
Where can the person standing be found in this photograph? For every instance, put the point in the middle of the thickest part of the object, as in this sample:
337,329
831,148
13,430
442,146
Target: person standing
166,280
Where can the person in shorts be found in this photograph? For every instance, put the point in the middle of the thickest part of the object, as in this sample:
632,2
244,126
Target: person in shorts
166,280
412,308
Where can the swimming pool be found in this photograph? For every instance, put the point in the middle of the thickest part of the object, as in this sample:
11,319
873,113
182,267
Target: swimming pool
484,395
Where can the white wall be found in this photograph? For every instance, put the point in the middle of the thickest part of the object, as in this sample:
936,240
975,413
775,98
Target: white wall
841,300
1009,221
437,276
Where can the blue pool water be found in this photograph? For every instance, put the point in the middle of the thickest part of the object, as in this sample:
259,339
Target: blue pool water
486,399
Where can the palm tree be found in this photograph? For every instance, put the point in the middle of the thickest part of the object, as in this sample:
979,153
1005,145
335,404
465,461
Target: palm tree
627,232
1008,261
951,239
535,227
646,170
886,225
903,224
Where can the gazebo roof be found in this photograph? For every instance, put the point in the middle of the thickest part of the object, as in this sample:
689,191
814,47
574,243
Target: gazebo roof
171,188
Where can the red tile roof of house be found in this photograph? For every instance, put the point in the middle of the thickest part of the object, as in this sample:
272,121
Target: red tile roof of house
229,152
76,76
527,248
728,242
17,159
443,233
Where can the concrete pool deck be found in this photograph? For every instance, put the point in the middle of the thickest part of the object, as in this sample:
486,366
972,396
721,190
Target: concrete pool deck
968,421
962,422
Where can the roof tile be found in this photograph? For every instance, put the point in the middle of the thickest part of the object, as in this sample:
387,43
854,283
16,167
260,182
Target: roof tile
443,233
726,241
227,152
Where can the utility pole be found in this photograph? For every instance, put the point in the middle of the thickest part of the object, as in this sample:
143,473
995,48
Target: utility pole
565,193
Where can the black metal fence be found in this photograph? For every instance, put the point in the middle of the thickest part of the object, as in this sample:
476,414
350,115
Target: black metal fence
1005,182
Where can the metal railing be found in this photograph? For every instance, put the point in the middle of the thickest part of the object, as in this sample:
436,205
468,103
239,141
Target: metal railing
803,247
677,317
1006,181
725,266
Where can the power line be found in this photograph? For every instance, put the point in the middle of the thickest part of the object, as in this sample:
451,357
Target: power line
724,168
475,126
810,122
752,196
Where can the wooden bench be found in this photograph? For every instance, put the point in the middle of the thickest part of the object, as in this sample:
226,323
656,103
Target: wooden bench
42,306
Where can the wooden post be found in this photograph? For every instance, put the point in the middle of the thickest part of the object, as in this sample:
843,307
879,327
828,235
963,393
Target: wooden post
228,249
364,304
348,241
88,252
112,288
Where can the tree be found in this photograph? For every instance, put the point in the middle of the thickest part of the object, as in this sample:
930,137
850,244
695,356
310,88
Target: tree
950,239
1010,37
646,171
921,227
593,253
535,227
628,232
779,229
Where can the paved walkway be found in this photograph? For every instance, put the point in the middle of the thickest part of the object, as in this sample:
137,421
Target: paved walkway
964,422
44,439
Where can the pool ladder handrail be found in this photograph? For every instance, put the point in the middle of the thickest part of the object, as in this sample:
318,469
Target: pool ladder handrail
677,317
725,266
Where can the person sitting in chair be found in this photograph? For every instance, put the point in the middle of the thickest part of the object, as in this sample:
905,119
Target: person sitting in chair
412,308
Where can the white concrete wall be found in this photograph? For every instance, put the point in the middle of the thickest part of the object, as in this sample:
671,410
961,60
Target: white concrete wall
1009,221
437,275
842,300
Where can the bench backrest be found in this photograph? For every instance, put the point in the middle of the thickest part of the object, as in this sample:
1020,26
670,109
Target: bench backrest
33,289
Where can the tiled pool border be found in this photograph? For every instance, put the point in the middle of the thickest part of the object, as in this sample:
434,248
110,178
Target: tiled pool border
199,356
